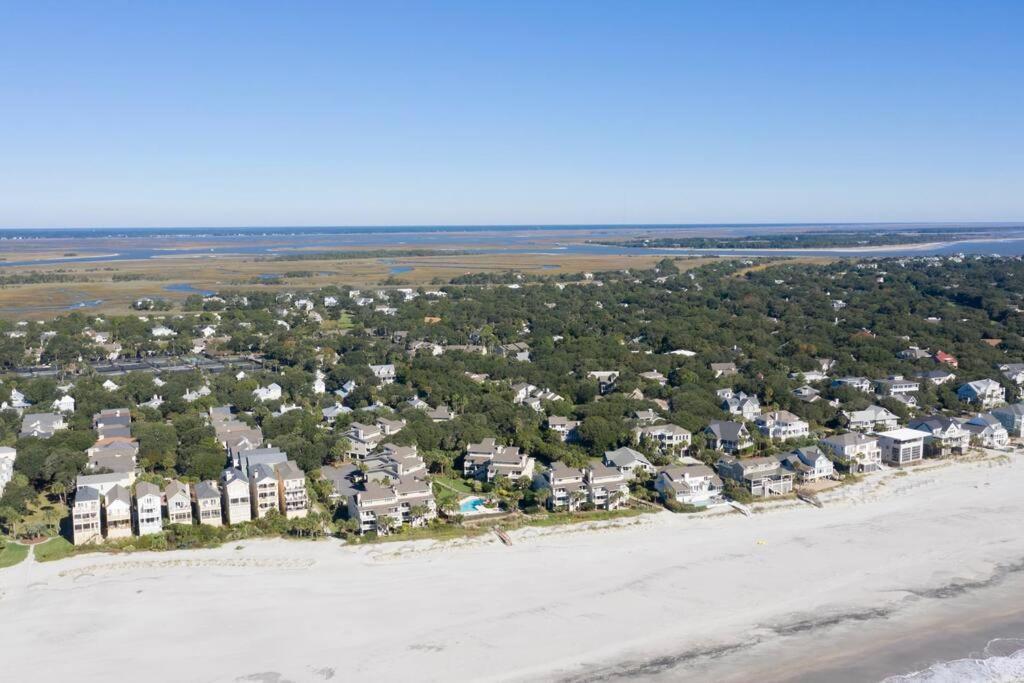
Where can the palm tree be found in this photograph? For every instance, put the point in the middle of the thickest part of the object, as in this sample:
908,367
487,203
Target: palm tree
60,490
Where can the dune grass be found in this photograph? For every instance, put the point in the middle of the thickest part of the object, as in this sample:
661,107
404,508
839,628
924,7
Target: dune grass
12,554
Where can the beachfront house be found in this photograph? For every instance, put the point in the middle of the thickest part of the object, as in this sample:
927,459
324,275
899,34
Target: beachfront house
690,484
762,477
488,459
782,425
117,513
207,503
568,489
86,526
987,431
148,508
178,500
291,486
984,393
263,490
728,436
375,508
236,496
808,464
902,446
606,487
946,436
858,452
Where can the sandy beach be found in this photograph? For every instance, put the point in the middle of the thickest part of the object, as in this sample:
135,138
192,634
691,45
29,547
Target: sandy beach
876,579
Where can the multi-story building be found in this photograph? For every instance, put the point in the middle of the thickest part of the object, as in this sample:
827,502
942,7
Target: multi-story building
235,496
117,513
263,490
148,508
902,446
86,526
291,487
207,503
178,500
859,453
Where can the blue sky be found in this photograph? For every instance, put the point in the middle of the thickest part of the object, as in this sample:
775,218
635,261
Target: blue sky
331,113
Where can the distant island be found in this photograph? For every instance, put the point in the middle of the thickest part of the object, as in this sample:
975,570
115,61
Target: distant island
804,240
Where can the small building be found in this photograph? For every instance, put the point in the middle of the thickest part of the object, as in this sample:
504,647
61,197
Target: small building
42,425
564,427
628,462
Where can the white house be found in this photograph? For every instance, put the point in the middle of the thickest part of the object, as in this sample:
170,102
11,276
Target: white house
858,452
271,392
385,373
871,418
64,404
148,508
987,431
236,497
782,425
628,461
161,332
809,464
690,484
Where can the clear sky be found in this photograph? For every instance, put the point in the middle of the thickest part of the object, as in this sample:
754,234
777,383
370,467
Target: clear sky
330,113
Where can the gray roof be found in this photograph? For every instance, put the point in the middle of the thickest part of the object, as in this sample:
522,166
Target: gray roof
623,457
86,493
726,429
207,489
144,488
117,492
290,470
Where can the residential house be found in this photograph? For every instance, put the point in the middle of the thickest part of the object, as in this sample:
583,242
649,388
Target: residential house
782,425
914,353
568,489
1012,417
669,438
738,403
104,482
896,386
7,457
727,436
487,460
946,436
64,404
606,487
936,377
178,500
564,427
263,490
857,452
207,503
858,383
605,380
86,526
762,477
148,508
236,496
654,376
41,425
271,392
689,484
946,359
628,462
441,413
902,446
807,393
723,369
519,351
390,427
117,513
987,431
385,373
808,464
291,482
645,417
871,418
362,439
985,393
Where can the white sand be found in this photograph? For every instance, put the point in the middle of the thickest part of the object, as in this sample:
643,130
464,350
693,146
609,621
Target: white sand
558,604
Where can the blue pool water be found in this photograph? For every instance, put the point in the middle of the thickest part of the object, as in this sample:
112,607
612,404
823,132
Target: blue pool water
471,504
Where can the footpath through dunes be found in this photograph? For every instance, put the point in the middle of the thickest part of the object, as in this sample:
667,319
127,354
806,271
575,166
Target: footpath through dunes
676,597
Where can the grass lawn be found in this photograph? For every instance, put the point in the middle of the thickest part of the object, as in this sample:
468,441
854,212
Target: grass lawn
557,518
12,554
452,483
56,548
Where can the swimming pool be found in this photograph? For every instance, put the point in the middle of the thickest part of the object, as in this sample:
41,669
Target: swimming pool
471,504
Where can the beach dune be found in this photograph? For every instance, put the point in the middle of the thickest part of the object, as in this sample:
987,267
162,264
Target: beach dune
663,596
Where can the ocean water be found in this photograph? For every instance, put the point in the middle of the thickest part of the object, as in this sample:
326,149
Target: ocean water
1002,661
